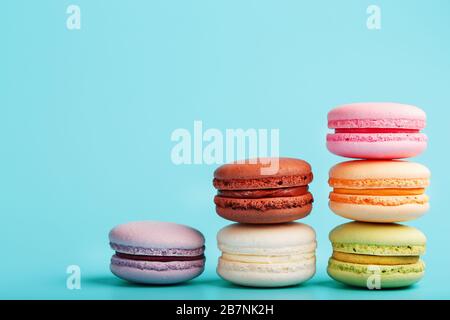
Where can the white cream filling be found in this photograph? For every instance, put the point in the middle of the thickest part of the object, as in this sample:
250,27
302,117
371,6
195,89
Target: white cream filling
278,251
294,258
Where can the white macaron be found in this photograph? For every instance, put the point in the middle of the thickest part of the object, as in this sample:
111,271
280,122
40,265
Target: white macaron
267,255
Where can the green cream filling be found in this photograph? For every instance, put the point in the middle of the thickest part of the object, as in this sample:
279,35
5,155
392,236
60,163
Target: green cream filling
373,249
418,267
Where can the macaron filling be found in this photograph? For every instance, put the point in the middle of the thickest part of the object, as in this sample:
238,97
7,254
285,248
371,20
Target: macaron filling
375,130
381,192
263,182
295,257
264,193
122,255
374,259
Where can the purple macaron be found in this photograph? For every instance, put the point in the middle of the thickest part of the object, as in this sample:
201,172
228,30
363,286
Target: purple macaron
153,252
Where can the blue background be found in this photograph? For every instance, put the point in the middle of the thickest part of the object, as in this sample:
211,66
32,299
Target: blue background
86,118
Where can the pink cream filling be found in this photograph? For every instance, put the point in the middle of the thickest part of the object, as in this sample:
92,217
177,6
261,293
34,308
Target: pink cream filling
375,130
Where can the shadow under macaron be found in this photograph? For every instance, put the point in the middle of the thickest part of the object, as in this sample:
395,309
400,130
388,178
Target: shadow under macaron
331,284
117,282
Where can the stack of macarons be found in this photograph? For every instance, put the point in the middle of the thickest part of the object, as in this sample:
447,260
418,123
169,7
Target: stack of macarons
377,192
265,248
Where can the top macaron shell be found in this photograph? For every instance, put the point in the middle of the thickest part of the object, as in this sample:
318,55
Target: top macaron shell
390,234
250,174
377,131
381,170
377,115
156,235
260,239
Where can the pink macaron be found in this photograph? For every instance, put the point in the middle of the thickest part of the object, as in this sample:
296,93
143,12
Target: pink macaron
152,252
377,130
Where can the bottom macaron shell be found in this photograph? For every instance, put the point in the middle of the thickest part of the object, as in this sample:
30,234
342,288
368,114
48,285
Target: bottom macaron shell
159,273
397,279
381,214
264,217
377,150
253,275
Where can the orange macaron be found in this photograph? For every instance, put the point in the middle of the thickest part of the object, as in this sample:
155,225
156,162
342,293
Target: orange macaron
379,190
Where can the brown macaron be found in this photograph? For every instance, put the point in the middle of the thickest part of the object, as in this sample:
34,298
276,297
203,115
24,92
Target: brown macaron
265,190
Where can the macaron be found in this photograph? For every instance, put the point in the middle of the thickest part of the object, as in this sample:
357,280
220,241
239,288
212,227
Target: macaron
153,252
377,130
266,190
267,255
376,256
379,190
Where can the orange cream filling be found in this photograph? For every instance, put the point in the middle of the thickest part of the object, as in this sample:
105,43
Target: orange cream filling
376,200
381,192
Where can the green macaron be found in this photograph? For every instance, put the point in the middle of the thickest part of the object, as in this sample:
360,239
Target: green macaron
376,256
